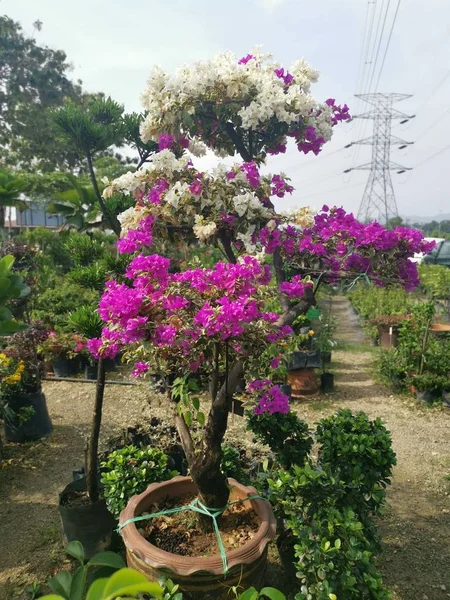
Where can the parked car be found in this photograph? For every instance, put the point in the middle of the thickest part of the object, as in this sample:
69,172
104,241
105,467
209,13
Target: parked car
440,255
418,258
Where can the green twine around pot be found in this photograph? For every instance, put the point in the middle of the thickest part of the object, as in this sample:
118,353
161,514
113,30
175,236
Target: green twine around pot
200,508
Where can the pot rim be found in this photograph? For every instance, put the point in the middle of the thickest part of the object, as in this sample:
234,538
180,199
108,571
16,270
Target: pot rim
187,565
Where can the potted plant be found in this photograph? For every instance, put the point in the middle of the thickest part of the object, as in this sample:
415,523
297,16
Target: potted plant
62,350
388,329
215,318
428,387
25,411
324,339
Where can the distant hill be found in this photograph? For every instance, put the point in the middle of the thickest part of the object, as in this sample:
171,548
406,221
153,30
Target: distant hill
418,219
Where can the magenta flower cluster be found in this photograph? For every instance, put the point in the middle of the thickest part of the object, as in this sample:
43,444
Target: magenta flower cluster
271,398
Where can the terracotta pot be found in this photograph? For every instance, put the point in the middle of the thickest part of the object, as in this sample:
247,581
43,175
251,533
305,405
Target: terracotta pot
388,335
304,383
440,327
198,577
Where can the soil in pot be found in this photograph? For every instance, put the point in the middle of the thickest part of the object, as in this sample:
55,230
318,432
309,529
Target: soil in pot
90,523
179,533
38,424
199,577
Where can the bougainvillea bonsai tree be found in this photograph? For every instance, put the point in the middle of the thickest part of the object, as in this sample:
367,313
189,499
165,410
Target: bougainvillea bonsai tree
215,322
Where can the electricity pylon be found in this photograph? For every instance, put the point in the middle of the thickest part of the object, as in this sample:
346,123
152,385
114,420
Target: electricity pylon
378,201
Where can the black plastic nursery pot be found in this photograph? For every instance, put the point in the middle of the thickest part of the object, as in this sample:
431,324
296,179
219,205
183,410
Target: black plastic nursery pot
286,389
286,549
428,396
90,371
327,382
38,425
61,367
91,524
302,360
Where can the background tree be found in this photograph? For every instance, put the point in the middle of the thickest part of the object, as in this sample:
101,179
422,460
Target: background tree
33,78
11,188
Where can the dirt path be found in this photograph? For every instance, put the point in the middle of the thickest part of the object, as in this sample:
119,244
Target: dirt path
416,530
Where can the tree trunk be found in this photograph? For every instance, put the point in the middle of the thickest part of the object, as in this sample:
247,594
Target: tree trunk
92,454
205,467
112,219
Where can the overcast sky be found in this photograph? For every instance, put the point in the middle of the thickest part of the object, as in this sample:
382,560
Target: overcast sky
113,45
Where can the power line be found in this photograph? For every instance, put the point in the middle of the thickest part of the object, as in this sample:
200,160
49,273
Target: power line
433,124
329,191
388,43
433,156
439,85
379,42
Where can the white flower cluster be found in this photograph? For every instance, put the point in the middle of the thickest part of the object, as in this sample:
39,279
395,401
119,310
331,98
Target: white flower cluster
251,88
185,200
302,217
133,180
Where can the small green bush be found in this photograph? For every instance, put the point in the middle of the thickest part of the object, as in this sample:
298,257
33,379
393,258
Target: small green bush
359,452
335,558
54,304
286,435
129,471
232,464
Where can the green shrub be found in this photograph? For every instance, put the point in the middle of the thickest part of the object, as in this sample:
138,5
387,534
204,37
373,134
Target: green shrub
91,277
232,464
85,249
359,452
54,304
335,558
334,545
286,435
129,471
85,321
435,280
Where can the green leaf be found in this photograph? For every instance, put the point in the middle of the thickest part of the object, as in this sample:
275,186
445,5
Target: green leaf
128,582
107,559
5,284
196,403
250,594
97,589
188,417
61,583
78,582
5,314
337,543
201,418
76,550
272,593
51,597
6,264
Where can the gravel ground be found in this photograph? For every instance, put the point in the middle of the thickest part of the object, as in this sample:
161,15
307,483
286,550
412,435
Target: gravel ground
416,529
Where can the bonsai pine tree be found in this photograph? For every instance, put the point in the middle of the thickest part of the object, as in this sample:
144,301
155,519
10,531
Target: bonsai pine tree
216,321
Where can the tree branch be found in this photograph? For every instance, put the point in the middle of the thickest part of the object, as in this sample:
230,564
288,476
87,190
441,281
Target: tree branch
281,277
301,308
185,437
226,243
92,455
238,142
113,222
